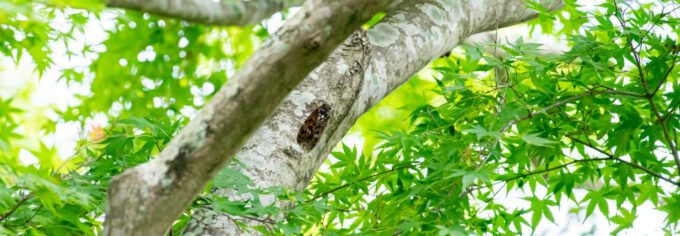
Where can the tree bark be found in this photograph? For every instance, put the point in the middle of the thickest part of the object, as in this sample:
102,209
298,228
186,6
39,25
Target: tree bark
147,199
208,12
357,75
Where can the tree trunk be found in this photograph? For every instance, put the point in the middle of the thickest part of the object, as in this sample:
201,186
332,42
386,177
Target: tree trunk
357,75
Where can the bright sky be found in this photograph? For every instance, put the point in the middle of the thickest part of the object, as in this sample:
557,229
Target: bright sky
50,92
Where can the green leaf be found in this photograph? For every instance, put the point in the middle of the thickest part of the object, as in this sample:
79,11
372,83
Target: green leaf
144,123
452,231
534,139
481,132
671,208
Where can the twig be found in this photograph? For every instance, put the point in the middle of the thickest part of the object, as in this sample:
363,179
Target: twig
11,211
362,179
69,159
667,136
611,156
590,145
665,77
557,167
80,149
636,56
263,221
439,127
591,92
670,112
648,95
27,220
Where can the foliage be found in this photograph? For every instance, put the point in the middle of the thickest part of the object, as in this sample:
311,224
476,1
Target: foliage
182,66
602,116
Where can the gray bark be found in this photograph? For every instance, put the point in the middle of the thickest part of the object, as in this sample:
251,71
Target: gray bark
147,199
208,12
357,75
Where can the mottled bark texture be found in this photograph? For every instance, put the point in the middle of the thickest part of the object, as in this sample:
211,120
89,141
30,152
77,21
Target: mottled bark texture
209,12
147,199
357,75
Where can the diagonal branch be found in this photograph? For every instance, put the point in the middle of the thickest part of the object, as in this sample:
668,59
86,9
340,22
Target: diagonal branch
556,167
531,114
148,198
611,156
355,78
362,179
9,213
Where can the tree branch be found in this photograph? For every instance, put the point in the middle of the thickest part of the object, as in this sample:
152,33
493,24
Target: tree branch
591,92
648,95
665,77
11,211
611,156
636,56
556,167
148,198
209,12
360,180
360,73
666,135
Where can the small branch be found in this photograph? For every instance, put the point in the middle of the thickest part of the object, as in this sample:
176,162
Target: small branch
266,221
648,171
27,220
588,144
235,13
665,77
649,96
263,221
34,214
557,167
11,211
611,156
362,179
670,112
591,92
636,56
667,136
80,149
439,127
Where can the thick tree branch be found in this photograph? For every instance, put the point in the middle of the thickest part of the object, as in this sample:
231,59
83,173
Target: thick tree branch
355,78
147,199
209,12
